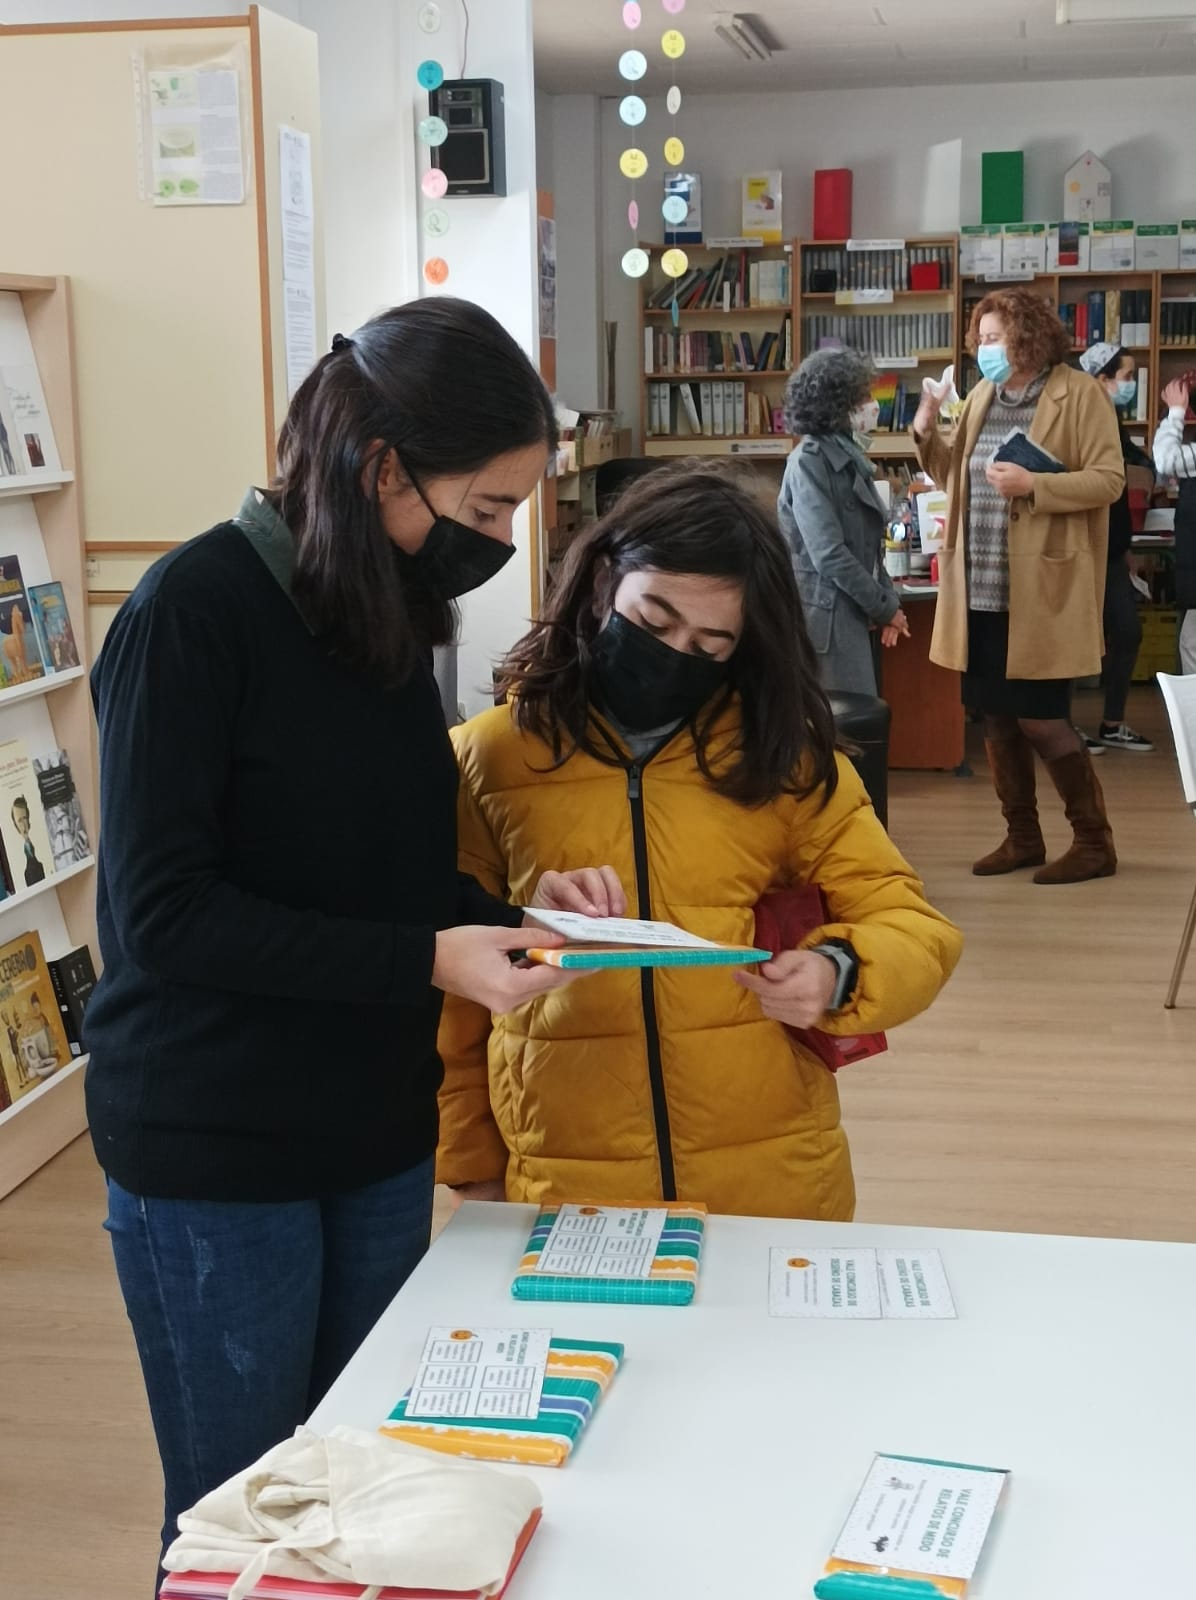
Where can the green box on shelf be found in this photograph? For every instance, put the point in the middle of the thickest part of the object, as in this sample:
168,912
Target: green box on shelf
1002,186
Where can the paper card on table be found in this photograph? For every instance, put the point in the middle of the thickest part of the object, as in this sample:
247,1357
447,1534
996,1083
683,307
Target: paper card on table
913,1284
480,1372
919,1518
823,1283
603,1242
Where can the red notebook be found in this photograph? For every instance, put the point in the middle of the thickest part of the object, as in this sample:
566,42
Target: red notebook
216,1585
784,919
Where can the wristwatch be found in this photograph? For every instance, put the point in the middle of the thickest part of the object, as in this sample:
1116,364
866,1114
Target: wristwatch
846,963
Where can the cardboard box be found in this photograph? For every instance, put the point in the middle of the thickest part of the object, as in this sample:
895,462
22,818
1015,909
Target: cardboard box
1156,246
1024,247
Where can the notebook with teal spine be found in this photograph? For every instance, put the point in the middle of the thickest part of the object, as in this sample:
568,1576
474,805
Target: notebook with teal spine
613,1255
603,942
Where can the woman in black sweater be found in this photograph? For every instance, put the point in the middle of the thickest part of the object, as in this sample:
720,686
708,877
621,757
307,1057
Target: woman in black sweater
280,910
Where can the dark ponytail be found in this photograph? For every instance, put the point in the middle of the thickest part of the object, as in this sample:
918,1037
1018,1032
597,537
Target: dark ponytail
444,385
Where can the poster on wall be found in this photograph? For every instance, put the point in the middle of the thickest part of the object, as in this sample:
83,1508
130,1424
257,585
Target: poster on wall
547,227
195,137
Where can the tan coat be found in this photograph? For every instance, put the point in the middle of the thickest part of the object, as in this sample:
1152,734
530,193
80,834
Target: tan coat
1058,538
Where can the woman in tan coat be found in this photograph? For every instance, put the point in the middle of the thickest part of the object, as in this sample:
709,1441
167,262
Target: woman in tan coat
1022,571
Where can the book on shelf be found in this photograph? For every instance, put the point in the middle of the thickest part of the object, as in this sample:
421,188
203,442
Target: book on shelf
826,269
27,443
670,351
33,1041
734,282
20,652
52,621
69,843
23,833
1177,320
74,978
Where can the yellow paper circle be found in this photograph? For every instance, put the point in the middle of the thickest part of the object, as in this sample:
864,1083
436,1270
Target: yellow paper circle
674,263
674,151
633,163
673,43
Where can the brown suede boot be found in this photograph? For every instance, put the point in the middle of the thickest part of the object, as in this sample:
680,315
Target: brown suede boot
1092,854
1012,764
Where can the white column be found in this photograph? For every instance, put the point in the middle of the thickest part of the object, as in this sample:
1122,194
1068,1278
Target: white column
576,136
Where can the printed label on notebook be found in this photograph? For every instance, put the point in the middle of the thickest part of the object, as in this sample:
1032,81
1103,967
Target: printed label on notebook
603,1242
929,1518
823,1283
617,931
913,1284
480,1372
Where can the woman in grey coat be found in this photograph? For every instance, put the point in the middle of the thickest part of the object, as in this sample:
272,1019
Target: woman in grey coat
834,519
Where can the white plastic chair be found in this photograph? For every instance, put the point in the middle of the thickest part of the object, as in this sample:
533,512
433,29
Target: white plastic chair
1179,696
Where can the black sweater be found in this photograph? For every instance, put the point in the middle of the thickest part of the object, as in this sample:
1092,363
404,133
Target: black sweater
278,849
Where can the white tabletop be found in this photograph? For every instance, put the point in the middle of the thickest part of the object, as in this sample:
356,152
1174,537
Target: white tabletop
731,1445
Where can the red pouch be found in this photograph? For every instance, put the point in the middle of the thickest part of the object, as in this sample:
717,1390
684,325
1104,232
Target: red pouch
784,919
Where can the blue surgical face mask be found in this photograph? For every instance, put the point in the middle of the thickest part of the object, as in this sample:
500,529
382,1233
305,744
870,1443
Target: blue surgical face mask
993,363
1125,391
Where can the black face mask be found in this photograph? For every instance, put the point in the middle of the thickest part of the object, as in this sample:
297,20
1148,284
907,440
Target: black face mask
644,683
456,558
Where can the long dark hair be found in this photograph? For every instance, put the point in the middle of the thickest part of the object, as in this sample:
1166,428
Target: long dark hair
694,520
444,385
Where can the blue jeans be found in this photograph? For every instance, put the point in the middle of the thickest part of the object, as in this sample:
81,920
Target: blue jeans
244,1314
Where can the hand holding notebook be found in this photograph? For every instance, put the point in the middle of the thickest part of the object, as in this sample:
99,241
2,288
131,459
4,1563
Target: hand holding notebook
1019,450
594,942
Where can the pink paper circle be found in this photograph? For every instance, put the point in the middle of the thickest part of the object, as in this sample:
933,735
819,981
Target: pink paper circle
434,183
633,214
673,7
632,15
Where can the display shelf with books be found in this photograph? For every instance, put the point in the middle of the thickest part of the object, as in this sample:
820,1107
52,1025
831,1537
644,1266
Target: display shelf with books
47,747
1175,335
714,376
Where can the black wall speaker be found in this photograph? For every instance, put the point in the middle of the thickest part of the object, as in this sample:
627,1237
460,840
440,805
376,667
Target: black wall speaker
474,156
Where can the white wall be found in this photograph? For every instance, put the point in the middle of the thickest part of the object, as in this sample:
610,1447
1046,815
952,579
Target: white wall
883,136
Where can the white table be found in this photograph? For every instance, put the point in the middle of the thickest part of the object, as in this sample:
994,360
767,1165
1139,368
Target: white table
730,1447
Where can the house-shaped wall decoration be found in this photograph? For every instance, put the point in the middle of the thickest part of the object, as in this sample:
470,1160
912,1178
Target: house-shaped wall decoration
1088,190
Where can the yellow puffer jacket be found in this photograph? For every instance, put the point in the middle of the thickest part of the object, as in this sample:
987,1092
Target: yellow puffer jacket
627,1090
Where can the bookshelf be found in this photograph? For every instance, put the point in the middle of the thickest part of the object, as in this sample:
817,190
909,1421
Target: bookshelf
713,379
42,525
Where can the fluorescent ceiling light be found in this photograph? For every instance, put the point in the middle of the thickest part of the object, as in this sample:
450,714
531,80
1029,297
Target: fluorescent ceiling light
1112,11
741,33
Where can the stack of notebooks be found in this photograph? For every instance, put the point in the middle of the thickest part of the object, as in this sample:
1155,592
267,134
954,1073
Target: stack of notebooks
578,1374
668,1276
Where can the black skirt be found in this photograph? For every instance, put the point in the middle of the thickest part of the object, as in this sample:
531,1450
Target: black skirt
987,689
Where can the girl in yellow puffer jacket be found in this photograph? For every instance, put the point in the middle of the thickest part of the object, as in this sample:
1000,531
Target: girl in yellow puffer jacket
666,729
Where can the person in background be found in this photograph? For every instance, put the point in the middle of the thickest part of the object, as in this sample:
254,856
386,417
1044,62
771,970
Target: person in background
834,519
1175,459
665,716
1022,570
262,1090
1116,372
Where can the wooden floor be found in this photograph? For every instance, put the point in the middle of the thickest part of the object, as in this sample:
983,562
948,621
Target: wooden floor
1047,1091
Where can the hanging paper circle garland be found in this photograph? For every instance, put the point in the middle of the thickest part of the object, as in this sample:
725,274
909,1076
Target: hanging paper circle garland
674,151
673,44
434,183
674,209
430,75
436,270
635,262
632,110
633,163
633,215
672,101
433,131
632,15
674,263
632,65
429,17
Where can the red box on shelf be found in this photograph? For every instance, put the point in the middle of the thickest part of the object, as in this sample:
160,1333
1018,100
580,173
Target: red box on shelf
832,203
926,275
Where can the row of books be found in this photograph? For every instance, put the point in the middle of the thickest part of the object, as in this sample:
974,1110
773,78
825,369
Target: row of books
898,401
882,335
735,282
711,410
1177,320
1120,316
718,352
36,636
42,1004
896,269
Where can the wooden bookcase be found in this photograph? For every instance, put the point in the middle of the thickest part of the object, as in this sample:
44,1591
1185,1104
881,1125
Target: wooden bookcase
42,524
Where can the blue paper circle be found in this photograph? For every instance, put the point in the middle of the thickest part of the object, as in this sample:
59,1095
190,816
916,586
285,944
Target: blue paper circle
430,74
674,209
632,110
433,130
632,65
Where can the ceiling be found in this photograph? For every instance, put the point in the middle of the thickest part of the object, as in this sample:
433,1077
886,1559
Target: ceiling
832,44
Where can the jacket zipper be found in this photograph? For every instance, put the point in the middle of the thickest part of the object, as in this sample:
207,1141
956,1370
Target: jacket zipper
660,1105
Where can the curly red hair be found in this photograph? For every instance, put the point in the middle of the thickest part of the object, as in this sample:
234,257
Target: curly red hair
1034,336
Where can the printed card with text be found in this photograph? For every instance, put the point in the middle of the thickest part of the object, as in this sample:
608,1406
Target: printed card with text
603,1242
480,1372
823,1283
913,1284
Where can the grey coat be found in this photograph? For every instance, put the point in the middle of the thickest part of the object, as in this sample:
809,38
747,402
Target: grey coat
834,520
